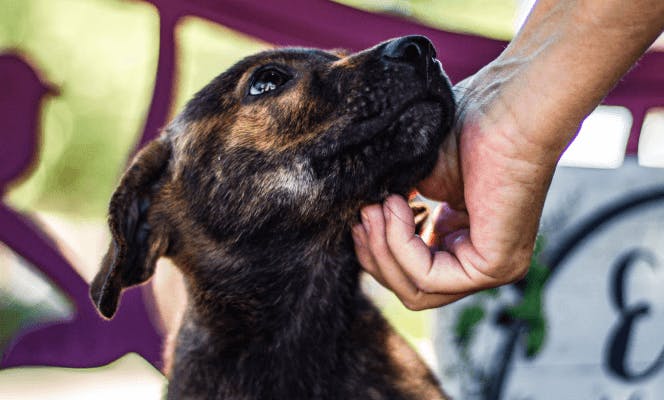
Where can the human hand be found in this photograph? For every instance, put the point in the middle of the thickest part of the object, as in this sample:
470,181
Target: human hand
497,182
515,117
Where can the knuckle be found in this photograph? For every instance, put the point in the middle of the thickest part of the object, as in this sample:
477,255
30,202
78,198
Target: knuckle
509,269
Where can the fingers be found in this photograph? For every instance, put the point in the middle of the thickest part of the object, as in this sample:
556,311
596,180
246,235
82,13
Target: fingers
364,256
376,256
450,272
405,247
374,223
388,248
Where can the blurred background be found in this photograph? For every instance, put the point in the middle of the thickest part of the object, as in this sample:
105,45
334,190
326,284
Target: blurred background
95,64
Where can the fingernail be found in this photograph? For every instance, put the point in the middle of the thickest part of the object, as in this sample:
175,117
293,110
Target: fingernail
365,222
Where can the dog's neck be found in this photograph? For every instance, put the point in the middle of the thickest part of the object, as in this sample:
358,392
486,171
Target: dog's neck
285,302
278,272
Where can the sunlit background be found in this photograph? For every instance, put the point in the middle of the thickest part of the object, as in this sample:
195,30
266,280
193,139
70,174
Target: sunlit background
102,55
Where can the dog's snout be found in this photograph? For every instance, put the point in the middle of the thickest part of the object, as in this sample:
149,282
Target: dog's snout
416,50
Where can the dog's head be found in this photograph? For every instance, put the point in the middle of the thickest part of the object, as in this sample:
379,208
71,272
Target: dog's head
284,141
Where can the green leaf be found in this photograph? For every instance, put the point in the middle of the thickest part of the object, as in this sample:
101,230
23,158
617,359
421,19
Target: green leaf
466,323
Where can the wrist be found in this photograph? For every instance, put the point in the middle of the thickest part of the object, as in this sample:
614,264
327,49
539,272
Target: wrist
501,102
566,59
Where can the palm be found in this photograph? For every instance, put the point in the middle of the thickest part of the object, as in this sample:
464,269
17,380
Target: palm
501,193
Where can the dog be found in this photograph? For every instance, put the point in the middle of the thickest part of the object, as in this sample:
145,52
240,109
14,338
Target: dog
251,191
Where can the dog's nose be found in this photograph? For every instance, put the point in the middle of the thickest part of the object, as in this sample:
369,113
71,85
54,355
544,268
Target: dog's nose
415,49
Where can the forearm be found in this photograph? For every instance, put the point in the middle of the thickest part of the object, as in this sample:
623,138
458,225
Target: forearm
567,57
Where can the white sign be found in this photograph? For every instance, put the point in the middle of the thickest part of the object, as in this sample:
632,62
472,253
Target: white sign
602,301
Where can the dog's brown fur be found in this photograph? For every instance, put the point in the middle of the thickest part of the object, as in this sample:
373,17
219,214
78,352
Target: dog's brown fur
252,196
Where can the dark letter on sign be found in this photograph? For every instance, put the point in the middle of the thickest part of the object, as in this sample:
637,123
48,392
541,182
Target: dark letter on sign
619,339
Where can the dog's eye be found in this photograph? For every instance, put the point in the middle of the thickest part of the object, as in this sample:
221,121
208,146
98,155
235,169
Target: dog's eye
266,80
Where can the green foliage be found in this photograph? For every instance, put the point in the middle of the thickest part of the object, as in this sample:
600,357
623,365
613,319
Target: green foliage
466,323
528,309
470,317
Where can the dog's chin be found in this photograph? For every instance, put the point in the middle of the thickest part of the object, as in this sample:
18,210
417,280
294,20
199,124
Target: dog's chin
416,131
412,139
407,152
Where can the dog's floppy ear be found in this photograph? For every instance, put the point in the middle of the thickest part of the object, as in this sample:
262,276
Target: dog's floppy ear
135,245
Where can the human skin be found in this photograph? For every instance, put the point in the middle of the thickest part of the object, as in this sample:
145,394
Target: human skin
516,117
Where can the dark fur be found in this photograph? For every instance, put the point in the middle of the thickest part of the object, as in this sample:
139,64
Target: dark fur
253,198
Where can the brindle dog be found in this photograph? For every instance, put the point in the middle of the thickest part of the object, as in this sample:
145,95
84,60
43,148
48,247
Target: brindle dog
252,191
